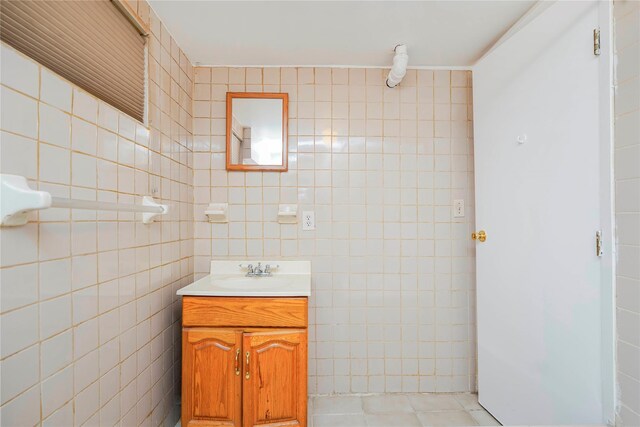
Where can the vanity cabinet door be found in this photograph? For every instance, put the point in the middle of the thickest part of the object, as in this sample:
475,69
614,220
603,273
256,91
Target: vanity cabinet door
211,377
275,378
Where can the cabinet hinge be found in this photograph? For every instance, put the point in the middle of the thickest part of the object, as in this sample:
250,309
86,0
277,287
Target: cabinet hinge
598,243
596,42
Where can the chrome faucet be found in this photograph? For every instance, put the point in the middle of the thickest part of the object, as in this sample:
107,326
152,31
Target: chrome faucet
258,271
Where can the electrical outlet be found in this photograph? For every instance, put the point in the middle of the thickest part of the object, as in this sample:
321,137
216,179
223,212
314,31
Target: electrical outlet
458,208
308,220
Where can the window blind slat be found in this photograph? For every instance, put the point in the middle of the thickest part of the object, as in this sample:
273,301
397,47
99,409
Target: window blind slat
113,92
81,29
42,41
90,43
123,33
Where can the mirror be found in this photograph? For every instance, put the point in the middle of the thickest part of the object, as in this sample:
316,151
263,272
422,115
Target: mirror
257,131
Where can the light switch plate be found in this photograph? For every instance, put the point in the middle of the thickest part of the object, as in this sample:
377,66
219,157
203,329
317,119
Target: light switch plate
308,220
458,208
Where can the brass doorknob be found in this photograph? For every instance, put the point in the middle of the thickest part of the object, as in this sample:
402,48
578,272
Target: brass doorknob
480,235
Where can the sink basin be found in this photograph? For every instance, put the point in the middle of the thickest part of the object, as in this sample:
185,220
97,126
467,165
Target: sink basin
227,278
251,283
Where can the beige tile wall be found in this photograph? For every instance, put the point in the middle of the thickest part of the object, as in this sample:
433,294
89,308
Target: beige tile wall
89,318
393,291
627,195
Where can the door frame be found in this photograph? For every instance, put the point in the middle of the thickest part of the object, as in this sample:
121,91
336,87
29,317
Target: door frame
607,215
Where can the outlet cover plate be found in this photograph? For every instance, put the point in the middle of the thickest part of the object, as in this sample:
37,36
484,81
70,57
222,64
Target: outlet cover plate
308,220
458,208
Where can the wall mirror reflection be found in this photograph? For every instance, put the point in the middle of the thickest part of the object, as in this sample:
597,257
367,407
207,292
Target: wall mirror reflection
257,131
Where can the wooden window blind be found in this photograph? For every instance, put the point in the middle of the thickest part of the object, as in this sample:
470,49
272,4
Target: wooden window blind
90,43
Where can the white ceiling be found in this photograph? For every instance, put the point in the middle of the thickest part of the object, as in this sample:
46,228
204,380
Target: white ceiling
361,33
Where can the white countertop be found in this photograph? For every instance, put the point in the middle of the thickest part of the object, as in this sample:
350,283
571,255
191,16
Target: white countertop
227,279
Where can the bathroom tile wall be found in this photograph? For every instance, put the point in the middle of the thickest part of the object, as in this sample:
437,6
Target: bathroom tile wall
627,207
393,291
89,317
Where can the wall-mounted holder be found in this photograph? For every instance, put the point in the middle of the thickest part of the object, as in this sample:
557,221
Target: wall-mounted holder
17,200
148,217
217,212
288,214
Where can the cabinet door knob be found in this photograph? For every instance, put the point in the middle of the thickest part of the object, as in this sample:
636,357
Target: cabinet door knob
237,365
247,375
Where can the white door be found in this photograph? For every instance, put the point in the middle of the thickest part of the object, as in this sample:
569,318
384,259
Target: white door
537,199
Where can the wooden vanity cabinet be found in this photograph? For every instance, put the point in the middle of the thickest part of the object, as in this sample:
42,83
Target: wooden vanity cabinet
244,361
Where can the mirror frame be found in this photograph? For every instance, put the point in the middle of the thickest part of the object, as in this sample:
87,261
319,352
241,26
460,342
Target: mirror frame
285,131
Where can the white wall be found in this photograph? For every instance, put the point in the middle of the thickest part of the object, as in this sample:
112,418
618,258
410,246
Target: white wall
627,207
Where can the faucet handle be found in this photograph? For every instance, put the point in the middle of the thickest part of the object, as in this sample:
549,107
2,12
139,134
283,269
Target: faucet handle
248,267
269,268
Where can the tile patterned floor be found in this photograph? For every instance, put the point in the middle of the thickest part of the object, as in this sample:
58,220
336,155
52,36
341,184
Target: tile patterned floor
398,410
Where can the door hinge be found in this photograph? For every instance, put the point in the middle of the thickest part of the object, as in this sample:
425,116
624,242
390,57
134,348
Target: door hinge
598,243
596,42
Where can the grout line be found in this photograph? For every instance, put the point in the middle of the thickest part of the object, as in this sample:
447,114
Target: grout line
342,66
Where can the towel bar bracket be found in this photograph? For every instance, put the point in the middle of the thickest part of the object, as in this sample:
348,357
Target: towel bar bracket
17,200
